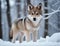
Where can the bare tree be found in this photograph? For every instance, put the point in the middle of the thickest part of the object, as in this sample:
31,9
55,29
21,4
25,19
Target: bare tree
25,7
8,13
18,7
28,1
46,20
0,22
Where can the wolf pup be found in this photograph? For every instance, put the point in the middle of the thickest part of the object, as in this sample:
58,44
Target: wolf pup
30,24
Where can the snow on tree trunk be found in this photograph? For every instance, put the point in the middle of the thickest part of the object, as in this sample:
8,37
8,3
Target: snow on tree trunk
13,10
18,7
8,13
5,28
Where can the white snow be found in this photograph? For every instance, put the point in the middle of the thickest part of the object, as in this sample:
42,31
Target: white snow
54,40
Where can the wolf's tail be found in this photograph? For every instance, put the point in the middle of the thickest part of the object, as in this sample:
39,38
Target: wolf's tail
11,32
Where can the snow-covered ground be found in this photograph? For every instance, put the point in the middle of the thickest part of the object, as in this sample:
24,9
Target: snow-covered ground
54,40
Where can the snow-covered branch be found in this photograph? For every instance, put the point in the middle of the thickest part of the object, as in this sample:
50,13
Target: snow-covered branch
56,3
54,26
50,14
59,8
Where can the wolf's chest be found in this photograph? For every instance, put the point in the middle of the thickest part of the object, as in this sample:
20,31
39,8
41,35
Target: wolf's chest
30,27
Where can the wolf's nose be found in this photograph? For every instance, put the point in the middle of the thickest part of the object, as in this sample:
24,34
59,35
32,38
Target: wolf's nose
34,19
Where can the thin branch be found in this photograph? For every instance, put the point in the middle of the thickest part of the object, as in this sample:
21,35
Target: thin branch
56,3
54,26
50,14
58,8
52,9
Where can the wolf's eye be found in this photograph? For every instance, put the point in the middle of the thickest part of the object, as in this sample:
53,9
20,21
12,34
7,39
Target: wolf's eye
32,13
36,13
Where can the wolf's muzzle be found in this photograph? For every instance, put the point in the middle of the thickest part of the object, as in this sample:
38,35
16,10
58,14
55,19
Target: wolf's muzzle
34,19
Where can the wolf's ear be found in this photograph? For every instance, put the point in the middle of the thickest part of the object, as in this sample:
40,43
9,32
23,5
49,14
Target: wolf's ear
30,6
39,6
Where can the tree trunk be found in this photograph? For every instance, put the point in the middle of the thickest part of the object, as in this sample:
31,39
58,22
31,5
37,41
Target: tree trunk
0,22
18,7
28,1
46,21
25,7
8,14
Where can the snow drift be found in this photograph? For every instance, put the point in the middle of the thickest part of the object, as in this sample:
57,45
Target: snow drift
54,40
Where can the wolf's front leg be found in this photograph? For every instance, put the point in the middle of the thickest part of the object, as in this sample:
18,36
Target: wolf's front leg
34,36
21,37
27,36
15,34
